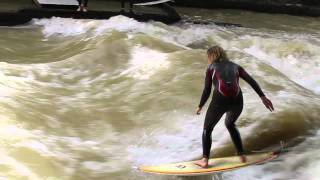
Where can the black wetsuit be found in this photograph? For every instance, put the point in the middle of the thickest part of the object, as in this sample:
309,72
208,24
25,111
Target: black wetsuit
85,2
227,98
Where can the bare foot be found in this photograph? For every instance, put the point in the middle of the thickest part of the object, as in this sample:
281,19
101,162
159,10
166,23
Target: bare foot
79,9
85,9
243,158
202,163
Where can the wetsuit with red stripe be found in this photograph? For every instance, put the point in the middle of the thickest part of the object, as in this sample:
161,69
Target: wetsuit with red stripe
227,98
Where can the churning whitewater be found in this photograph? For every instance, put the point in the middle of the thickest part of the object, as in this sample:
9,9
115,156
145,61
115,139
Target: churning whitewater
89,99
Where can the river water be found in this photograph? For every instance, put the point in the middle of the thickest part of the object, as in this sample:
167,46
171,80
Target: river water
89,99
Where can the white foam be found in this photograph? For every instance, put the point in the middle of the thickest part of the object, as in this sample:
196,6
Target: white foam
182,142
301,162
299,70
119,23
101,167
19,169
64,26
12,133
171,34
145,63
312,171
75,27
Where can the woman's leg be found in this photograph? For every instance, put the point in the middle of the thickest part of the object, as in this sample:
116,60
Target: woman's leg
79,8
85,4
231,117
214,114
122,5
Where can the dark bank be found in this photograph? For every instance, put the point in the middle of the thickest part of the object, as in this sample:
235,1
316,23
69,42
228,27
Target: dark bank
22,11
293,7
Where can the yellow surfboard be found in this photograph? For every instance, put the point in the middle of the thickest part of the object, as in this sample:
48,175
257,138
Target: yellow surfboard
215,165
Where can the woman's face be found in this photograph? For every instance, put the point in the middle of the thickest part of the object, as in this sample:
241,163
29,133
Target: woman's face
211,58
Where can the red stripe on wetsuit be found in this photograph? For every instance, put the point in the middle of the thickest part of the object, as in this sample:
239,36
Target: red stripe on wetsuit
214,74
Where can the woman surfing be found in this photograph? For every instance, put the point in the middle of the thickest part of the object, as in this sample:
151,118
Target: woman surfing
227,98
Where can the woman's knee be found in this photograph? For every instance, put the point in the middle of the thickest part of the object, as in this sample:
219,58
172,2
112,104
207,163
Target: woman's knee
230,125
207,132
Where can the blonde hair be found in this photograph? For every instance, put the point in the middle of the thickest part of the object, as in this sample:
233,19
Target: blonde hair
220,53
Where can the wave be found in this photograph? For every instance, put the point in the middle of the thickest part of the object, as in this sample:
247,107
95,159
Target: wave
93,93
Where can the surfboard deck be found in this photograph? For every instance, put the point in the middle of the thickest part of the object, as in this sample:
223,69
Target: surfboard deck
215,165
152,3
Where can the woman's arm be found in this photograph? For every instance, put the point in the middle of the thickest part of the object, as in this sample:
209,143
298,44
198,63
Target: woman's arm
207,87
244,75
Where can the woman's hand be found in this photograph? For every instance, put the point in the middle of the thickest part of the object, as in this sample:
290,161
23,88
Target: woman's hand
198,110
267,103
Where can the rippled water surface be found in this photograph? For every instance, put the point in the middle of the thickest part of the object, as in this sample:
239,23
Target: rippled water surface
89,99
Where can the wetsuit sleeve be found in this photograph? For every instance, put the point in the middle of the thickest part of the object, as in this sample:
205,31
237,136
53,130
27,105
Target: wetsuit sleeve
244,75
207,87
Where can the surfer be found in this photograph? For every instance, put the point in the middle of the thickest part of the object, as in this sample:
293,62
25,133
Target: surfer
83,5
227,98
